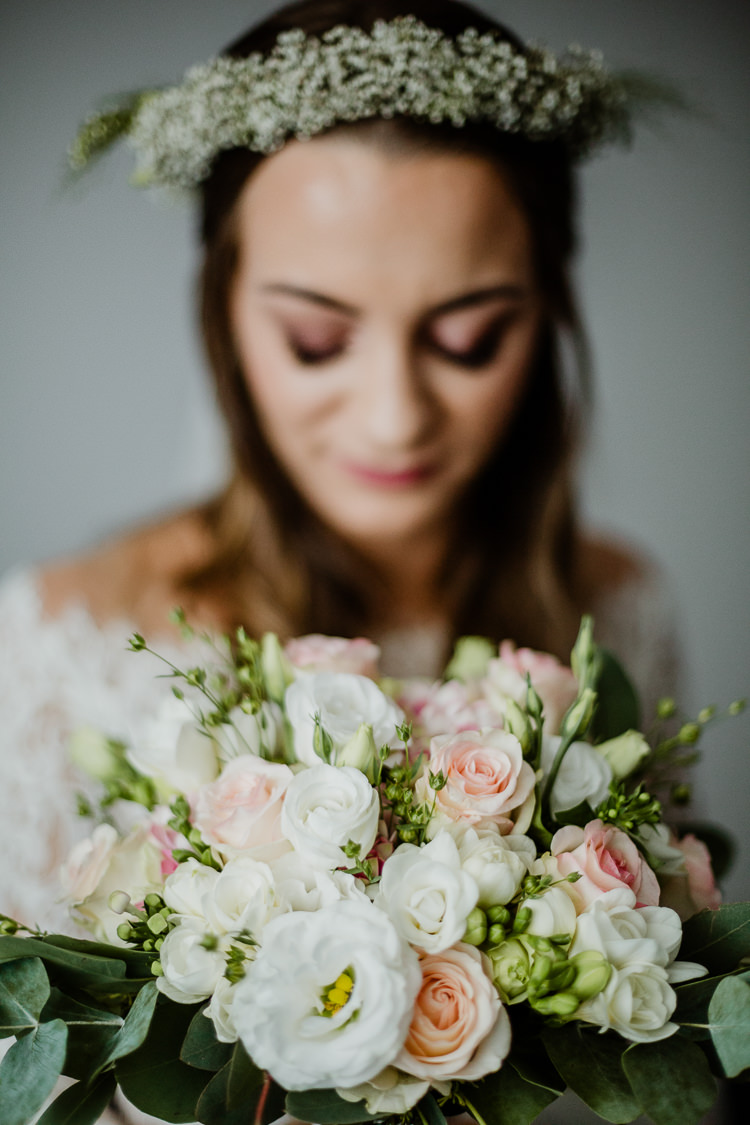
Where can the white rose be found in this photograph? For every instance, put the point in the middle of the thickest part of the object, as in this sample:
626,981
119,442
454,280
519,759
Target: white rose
390,1092
496,863
173,750
583,776
656,839
343,701
219,1011
258,733
637,1002
186,889
551,913
426,893
355,962
242,898
325,808
190,971
300,886
241,810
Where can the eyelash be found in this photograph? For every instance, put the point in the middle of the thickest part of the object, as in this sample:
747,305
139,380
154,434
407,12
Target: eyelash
474,359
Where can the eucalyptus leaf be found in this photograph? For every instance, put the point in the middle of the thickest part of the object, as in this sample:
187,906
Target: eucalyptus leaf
153,1077
580,815
718,939
325,1107
90,1031
671,1080
214,1107
591,1064
431,1112
505,1098
135,1027
245,1079
201,1048
80,1104
138,963
29,1070
729,1017
24,990
693,998
75,968
617,708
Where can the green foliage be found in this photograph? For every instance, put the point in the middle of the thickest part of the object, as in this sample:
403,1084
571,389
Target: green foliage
325,1107
507,1098
591,1064
80,1104
718,939
24,990
29,1071
201,1048
729,1017
671,1080
233,1095
91,1031
617,707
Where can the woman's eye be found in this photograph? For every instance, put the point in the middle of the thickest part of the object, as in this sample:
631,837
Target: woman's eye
310,353
480,353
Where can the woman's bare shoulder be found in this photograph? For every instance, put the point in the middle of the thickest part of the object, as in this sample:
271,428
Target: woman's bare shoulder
133,577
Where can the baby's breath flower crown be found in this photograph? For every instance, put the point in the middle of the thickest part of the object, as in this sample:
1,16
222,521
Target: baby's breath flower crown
305,85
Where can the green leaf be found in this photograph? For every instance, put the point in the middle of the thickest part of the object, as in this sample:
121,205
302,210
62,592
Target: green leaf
671,1080
244,1078
325,1107
138,963
24,989
591,1064
617,707
729,1016
153,1077
693,998
80,1104
718,939
431,1111
505,1098
580,815
74,968
29,1071
232,1095
135,1028
90,1031
201,1048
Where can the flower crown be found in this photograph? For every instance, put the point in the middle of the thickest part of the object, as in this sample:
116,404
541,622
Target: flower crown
306,85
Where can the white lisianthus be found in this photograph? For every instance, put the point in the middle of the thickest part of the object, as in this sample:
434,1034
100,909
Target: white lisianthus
583,776
173,750
190,970
496,863
335,1014
326,807
343,701
188,887
259,733
219,1011
657,840
426,893
551,913
637,1002
300,886
243,898
390,1092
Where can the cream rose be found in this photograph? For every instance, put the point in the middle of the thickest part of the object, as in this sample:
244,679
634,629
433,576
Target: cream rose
606,858
190,970
459,1029
487,780
343,703
326,808
496,863
555,684
637,1001
584,775
241,810
243,898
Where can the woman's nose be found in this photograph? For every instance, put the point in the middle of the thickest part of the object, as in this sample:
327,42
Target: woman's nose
398,409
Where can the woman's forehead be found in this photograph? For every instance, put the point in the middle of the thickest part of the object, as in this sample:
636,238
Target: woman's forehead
333,208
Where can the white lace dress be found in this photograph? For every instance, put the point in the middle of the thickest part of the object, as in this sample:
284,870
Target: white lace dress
59,674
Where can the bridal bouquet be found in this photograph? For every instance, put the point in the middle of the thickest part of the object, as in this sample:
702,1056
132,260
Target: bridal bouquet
349,898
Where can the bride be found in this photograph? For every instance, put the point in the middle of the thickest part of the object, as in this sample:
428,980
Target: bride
385,301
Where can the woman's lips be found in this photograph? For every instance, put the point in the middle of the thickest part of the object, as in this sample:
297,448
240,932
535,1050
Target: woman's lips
390,478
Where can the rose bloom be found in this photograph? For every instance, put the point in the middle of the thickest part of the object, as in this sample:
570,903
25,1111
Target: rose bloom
459,1029
318,653
555,684
606,858
241,810
702,892
487,780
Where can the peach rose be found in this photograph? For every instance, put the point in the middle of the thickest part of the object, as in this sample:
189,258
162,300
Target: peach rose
318,653
459,1029
487,780
555,684
241,810
606,858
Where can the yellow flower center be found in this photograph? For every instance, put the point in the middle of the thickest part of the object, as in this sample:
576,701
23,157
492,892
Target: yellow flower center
336,995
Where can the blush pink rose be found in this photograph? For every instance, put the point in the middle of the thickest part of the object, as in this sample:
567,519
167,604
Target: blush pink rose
606,858
318,653
555,684
444,708
694,889
487,780
241,810
459,1029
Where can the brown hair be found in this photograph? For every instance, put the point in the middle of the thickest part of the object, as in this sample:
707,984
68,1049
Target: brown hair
511,571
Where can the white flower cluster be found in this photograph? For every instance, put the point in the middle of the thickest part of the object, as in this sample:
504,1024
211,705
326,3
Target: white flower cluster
306,85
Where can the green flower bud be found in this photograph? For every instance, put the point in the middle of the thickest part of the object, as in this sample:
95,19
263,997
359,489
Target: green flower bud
562,1005
125,931
517,723
118,902
523,917
737,707
689,733
584,649
511,969
592,972
625,752
578,715
96,755
476,927
470,658
277,672
322,744
666,708
499,914
496,934
361,753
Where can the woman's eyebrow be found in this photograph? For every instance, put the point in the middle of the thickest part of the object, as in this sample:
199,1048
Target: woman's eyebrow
312,296
505,291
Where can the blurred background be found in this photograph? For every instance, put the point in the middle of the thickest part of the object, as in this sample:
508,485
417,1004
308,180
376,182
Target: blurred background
105,415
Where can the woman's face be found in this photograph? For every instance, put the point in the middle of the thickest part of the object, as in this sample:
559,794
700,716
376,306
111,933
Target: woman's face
385,313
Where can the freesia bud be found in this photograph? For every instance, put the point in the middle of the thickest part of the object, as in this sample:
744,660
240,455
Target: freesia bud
119,902
361,752
476,927
277,673
584,648
511,968
560,1004
517,722
625,752
592,974
579,715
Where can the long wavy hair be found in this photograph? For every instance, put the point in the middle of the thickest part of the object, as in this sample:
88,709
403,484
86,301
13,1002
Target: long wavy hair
512,567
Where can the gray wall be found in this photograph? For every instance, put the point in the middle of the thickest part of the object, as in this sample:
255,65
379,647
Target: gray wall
104,417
